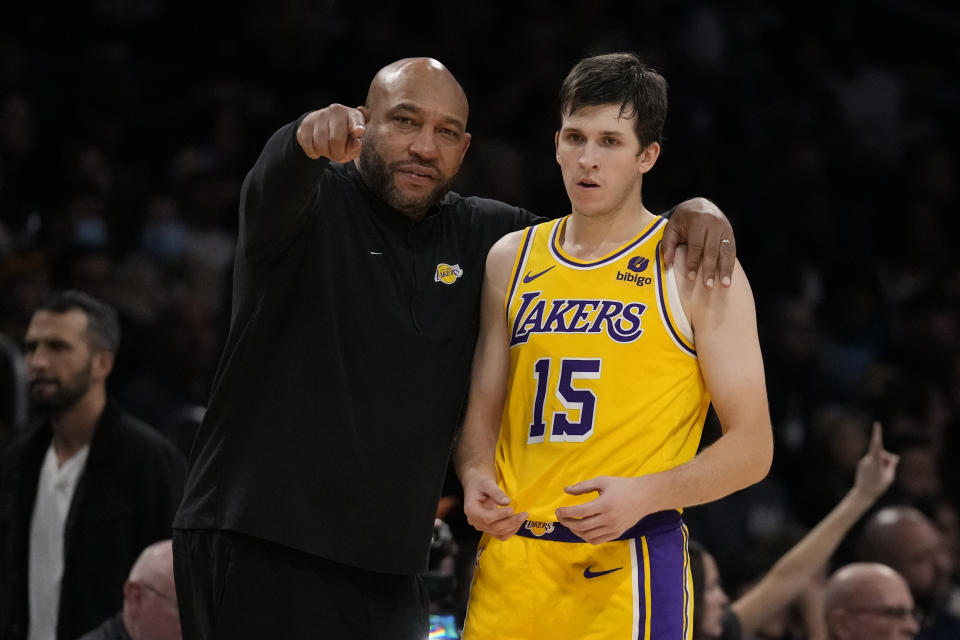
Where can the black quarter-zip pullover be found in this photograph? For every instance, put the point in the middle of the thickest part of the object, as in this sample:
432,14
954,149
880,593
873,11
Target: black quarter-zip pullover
345,372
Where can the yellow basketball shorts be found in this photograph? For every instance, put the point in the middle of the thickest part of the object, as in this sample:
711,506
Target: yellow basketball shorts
544,586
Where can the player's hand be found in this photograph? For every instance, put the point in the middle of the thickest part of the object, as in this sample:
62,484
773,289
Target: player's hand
488,508
701,225
335,132
618,507
877,469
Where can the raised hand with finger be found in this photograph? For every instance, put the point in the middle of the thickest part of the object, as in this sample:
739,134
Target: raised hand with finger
334,132
877,468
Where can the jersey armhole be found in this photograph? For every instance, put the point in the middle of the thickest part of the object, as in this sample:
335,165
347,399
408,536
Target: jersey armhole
519,264
671,309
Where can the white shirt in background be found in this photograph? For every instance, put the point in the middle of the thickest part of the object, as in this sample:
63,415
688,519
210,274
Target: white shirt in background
54,494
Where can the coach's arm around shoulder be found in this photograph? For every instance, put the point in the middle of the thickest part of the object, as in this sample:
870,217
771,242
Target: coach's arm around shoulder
728,350
484,503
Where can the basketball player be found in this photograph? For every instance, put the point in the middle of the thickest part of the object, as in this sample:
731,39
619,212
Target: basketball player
594,369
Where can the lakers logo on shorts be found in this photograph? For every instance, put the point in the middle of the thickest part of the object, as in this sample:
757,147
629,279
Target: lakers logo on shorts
538,528
447,273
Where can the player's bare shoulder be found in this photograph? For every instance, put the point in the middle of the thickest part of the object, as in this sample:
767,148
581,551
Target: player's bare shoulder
501,257
699,302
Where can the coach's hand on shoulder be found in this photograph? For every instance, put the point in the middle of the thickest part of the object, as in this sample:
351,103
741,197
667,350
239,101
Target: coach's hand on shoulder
701,225
619,506
487,508
335,132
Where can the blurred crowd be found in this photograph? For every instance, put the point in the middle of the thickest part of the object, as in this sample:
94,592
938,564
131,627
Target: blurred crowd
828,137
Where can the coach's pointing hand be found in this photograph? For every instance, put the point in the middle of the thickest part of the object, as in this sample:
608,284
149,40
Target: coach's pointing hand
487,508
335,132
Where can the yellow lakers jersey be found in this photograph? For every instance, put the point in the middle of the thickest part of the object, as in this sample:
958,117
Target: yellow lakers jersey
603,378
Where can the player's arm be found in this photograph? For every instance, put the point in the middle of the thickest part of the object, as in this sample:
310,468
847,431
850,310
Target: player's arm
484,503
708,236
792,574
725,329
277,192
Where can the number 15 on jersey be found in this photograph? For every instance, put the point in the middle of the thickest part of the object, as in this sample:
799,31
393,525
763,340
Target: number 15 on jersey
584,401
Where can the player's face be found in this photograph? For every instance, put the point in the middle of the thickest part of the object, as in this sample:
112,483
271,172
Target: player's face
59,360
601,160
415,140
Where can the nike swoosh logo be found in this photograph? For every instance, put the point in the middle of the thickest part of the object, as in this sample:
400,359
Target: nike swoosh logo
596,574
530,278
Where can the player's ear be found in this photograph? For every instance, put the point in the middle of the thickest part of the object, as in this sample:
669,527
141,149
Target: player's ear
648,157
556,145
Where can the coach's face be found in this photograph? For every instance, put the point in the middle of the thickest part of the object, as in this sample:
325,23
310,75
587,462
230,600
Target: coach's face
416,135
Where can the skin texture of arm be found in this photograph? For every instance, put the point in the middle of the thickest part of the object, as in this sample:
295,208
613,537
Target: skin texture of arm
724,323
792,574
485,504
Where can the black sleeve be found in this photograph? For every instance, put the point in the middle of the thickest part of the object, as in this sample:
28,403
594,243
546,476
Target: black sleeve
527,219
276,194
163,474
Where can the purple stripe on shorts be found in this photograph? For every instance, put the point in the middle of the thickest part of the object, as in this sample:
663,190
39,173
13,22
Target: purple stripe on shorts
668,574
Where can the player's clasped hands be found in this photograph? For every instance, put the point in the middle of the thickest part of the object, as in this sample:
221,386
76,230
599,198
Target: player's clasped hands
487,508
334,132
618,507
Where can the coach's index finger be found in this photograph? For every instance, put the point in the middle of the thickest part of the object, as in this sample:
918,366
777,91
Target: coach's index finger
358,121
355,128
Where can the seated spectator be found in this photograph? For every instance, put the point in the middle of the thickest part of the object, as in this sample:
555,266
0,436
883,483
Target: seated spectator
793,575
905,540
869,601
85,489
149,601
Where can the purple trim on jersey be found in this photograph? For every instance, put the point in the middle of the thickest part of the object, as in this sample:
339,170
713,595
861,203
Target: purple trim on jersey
687,587
653,524
638,588
662,301
555,248
668,584
520,262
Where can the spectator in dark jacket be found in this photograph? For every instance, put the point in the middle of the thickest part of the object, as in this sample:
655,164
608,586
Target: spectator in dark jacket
85,490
